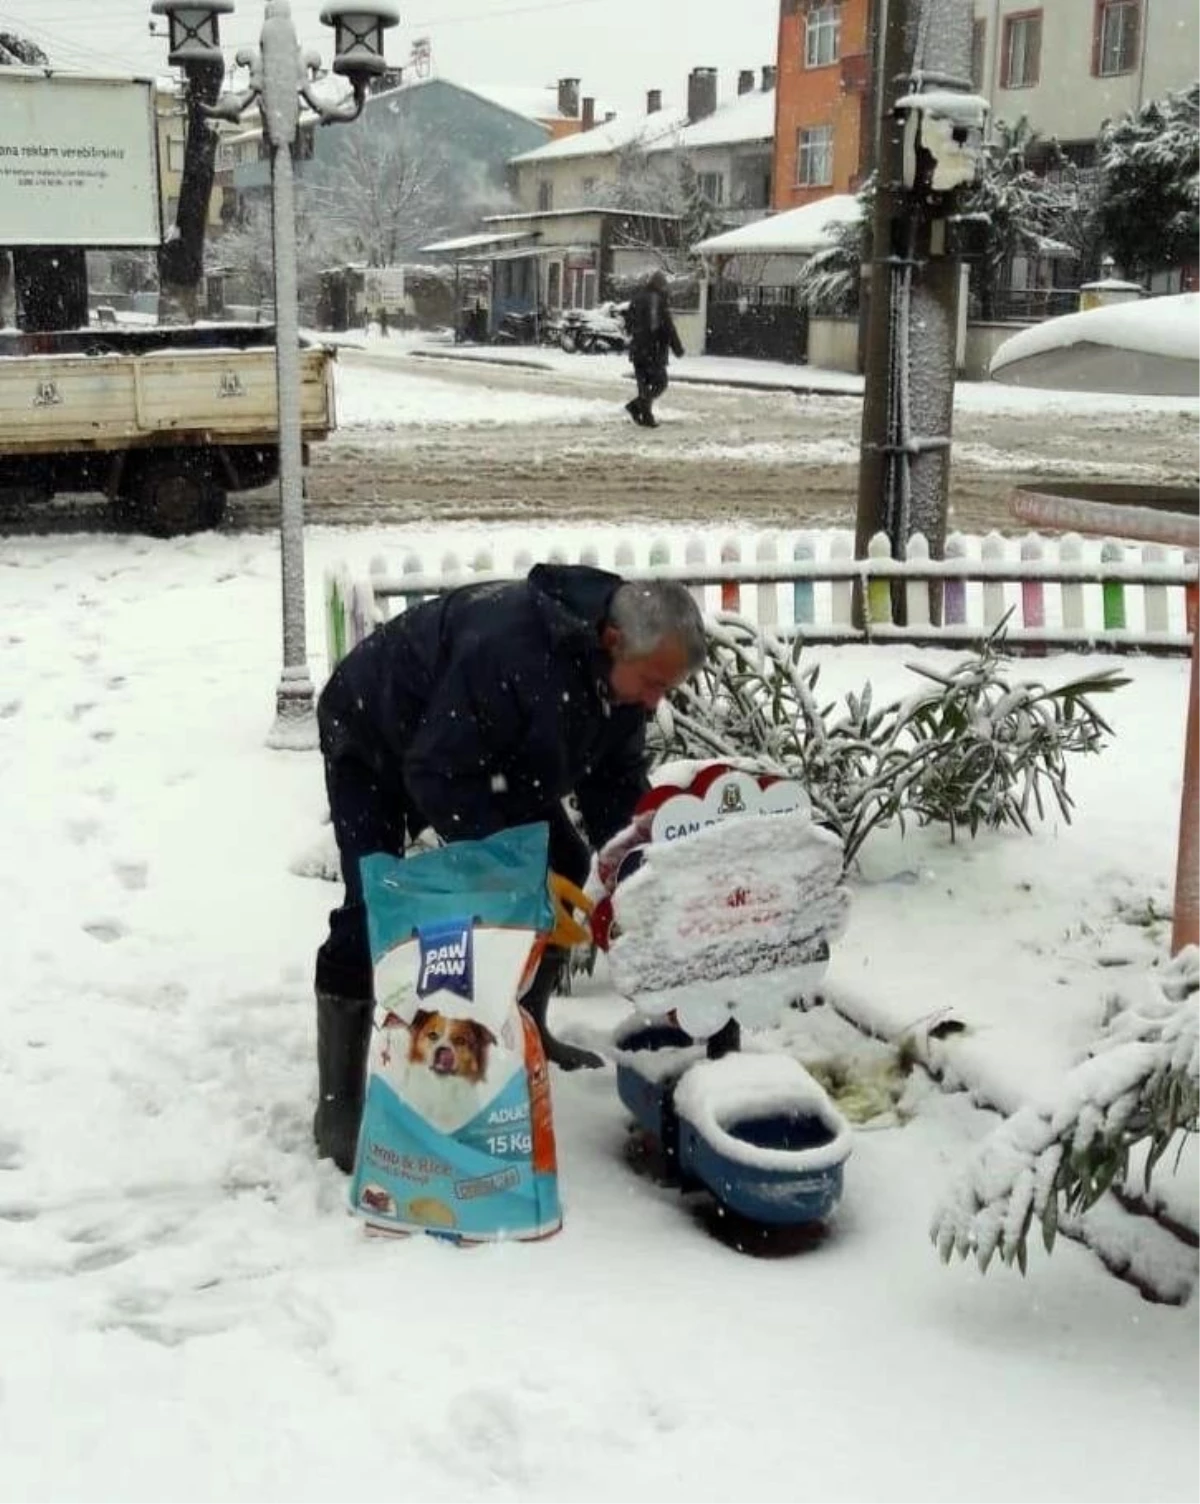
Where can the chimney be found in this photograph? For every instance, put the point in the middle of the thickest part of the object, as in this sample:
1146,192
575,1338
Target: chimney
701,93
653,101
589,113
745,81
568,97
768,77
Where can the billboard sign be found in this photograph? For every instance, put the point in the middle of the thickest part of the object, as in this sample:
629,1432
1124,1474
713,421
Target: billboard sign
78,160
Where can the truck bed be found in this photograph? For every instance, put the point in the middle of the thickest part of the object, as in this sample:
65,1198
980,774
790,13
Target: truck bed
54,403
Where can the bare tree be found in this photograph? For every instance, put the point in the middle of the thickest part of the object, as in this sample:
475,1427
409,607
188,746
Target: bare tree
650,185
244,249
380,196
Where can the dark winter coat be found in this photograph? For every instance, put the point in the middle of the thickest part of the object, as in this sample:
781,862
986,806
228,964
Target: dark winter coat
652,330
491,704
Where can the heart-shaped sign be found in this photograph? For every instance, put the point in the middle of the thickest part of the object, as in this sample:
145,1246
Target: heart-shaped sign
727,796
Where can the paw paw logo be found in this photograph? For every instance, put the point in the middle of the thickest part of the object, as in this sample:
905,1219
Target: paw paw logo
447,959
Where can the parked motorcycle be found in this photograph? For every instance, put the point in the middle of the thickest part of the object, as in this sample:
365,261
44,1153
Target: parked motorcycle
593,331
529,328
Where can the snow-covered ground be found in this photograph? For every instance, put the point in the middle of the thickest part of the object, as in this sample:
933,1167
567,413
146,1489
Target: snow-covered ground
716,370
188,1311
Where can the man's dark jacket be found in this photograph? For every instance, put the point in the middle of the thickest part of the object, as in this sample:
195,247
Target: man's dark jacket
651,328
490,704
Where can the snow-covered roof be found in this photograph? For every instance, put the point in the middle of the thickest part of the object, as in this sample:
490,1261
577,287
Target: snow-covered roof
795,232
1153,345
535,104
475,242
609,209
538,104
615,135
750,117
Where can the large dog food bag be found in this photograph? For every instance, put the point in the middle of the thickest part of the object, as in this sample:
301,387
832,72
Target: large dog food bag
457,1137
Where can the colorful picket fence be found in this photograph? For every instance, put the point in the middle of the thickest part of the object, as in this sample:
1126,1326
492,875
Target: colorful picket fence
1059,593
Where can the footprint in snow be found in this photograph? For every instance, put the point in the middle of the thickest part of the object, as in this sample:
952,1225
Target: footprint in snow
18,1211
106,930
9,709
82,831
133,876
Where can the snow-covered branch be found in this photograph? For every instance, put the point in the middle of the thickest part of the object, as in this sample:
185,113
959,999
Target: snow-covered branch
971,750
1140,1085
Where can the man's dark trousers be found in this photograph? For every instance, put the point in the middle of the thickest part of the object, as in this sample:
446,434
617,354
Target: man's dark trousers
651,377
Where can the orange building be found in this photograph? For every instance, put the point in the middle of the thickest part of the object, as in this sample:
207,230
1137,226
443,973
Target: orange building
822,99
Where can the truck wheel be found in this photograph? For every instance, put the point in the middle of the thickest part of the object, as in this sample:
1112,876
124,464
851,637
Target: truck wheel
179,495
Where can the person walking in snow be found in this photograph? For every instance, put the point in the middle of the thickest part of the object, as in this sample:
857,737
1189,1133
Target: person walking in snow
652,333
472,712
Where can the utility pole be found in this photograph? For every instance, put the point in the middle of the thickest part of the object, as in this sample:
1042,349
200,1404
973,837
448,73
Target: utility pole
928,132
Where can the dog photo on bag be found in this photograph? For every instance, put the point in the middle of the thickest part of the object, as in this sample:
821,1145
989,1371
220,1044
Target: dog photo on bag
438,1064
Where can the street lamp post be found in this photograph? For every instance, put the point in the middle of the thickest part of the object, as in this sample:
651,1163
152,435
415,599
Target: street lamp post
281,76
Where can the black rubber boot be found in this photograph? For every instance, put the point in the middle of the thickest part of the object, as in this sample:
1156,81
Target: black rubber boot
343,1034
536,1002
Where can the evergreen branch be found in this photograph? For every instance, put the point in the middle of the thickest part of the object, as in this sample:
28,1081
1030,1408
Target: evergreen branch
1140,1086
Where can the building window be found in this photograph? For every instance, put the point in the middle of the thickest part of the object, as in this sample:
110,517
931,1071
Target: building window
711,186
1115,46
978,47
545,194
1022,50
589,187
822,35
814,156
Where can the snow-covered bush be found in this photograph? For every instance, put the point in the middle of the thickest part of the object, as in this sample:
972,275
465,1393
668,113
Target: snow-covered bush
1139,1086
1149,191
970,748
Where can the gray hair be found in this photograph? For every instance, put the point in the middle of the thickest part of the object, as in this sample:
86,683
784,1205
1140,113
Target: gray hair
647,612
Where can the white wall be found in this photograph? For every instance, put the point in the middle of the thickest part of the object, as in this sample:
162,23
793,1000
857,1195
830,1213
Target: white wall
567,175
1068,101
833,344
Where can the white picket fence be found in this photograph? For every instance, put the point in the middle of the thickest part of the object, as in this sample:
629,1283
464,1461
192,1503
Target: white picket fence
1063,592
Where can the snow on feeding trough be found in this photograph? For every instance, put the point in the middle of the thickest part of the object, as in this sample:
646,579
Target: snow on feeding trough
1151,347
723,900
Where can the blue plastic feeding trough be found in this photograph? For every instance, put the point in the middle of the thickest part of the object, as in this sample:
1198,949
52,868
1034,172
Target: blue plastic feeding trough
755,1130
650,1058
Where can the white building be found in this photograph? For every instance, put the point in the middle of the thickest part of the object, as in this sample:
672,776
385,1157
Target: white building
729,146
1068,65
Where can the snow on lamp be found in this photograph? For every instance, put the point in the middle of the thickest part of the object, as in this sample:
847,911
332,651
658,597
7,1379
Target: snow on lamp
193,30
358,30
